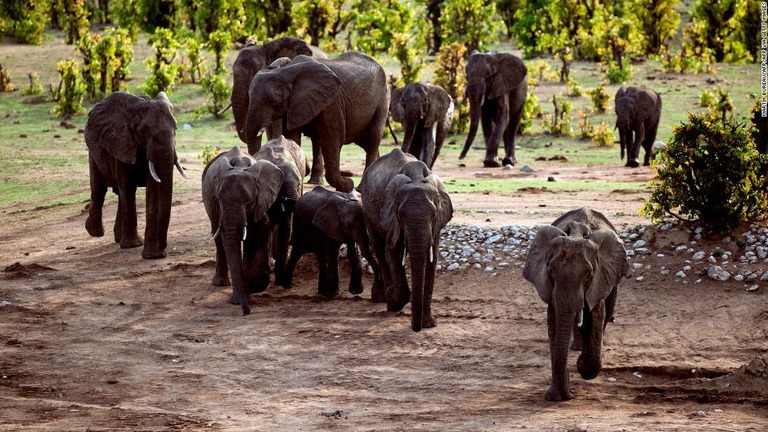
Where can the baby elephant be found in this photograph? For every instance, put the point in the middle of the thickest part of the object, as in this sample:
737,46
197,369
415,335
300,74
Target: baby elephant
322,221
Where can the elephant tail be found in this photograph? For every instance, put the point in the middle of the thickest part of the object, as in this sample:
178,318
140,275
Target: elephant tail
391,131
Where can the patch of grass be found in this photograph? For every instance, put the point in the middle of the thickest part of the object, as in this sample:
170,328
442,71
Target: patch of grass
513,186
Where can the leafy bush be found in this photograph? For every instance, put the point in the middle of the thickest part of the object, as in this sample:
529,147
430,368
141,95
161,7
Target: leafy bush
71,90
724,104
404,49
217,93
5,81
559,122
449,75
574,88
600,98
602,134
34,88
710,173
618,74
707,99
531,110
163,69
209,152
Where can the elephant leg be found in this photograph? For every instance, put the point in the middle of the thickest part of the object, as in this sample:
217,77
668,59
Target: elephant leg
283,236
256,258
316,174
629,138
500,122
590,360
129,236
439,140
650,138
398,294
331,153
382,278
332,257
117,229
356,273
296,254
633,157
610,306
220,277
509,138
94,224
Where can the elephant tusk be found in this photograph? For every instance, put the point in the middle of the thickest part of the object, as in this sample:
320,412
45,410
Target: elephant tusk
405,254
580,318
261,132
216,234
153,172
181,170
223,110
245,232
282,207
431,255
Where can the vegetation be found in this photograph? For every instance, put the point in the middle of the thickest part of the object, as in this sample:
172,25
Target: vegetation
71,90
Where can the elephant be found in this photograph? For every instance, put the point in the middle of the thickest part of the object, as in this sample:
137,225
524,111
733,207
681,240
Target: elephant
238,192
288,156
760,128
334,102
497,86
637,112
426,111
251,59
131,143
323,220
405,207
576,265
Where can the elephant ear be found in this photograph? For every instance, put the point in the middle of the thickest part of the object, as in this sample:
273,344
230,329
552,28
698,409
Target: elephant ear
439,102
109,126
389,220
269,180
444,206
327,218
536,269
288,47
314,87
510,71
395,108
611,266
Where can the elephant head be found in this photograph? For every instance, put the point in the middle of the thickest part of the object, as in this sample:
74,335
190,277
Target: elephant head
253,58
131,142
416,207
298,91
576,267
238,192
422,109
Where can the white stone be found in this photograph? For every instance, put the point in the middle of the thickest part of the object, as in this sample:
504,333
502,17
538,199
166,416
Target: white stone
453,267
680,274
717,273
698,256
639,244
639,278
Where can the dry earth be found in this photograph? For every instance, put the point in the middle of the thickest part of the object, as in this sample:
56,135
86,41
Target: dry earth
95,338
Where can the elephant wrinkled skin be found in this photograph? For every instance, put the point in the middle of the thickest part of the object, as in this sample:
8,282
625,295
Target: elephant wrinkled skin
405,207
638,111
238,192
576,265
131,143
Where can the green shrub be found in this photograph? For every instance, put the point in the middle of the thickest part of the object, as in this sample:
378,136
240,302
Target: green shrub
600,98
71,90
163,69
34,88
574,88
602,134
618,74
217,93
531,110
449,74
5,81
406,51
707,99
209,152
710,174
724,104
559,122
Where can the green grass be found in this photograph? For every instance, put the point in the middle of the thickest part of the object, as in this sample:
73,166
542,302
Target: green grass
507,186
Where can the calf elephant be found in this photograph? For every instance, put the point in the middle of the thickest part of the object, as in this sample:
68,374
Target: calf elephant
638,111
576,265
497,86
323,220
287,156
238,192
426,111
131,143
405,207
334,102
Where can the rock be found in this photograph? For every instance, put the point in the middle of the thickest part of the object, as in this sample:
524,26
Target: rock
526,169
453,267
493,239
753,288
717,273
639,244
698,256
756,367
680,274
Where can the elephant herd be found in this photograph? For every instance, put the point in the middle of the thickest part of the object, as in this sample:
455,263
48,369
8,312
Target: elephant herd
262,221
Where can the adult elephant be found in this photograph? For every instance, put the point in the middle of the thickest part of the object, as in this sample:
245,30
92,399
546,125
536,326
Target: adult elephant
425,111
323,220
334,102
405,208
290,159
238,192
576,265
497,86
131,143
638,111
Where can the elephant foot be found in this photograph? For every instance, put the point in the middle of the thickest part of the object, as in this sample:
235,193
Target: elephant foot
94,227
356,287
316,179
258,286
233,300
428,321
509,161
329,293
396,306
152,254
130,242
492,163
377,291
553,395
219,280
632,164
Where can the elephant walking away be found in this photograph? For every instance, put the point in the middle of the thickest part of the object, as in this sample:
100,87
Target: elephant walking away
638,111
288,156
333,102
238,192
497,86
323,220
425,111
576,265
132,143
251,59
405,207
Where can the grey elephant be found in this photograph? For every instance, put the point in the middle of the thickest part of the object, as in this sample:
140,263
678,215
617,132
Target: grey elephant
334,102
638,111
251,59
132,143
323,220
405,207
288,156
497,86
576,265
238,192
425,111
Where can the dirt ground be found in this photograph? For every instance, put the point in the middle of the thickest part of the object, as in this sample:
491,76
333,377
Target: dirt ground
95,338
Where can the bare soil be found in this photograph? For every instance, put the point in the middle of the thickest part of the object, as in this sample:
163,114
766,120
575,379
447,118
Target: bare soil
96,338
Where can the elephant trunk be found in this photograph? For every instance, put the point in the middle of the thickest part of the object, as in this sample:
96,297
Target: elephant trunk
412,117
240,101
561,387
253,131
475,93
419,245
232,238
159,199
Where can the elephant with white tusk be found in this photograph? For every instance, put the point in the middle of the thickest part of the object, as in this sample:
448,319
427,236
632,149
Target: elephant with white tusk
576,265
131,143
